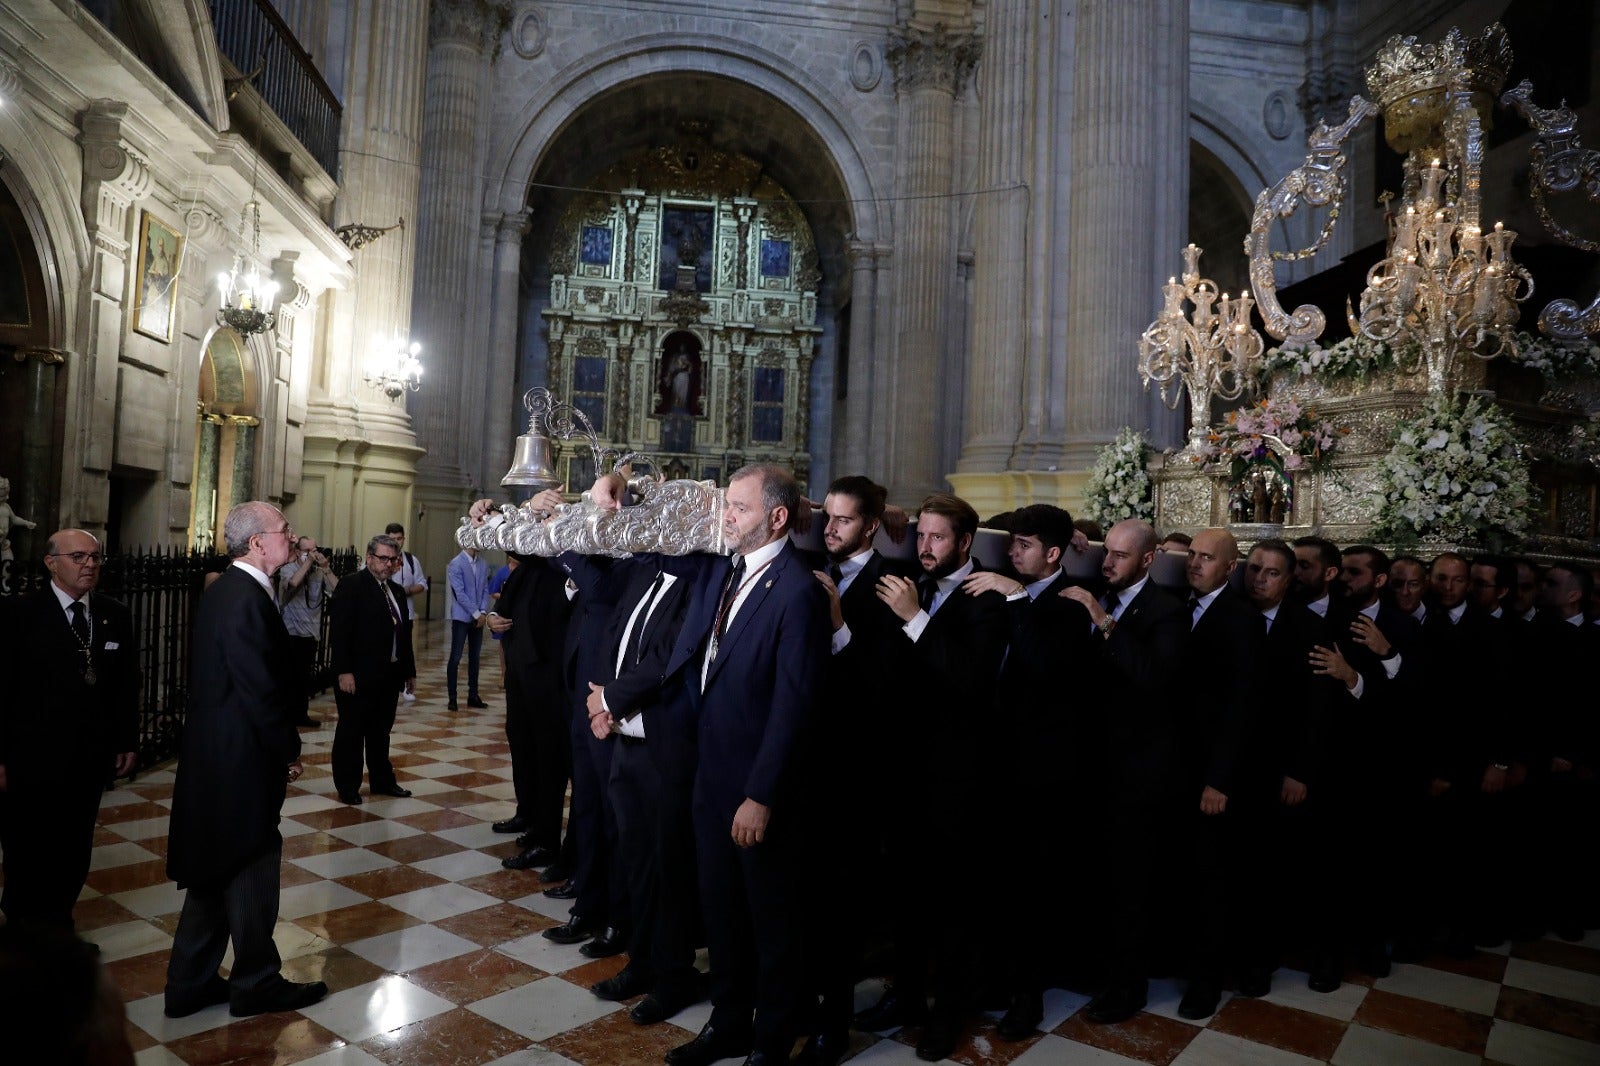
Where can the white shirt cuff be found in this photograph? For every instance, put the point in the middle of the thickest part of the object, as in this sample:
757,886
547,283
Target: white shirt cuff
914,628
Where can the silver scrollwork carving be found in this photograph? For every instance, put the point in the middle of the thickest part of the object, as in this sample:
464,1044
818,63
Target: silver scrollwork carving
672,517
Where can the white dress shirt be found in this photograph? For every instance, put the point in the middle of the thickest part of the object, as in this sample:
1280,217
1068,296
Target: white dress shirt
947,586
633,726
754,563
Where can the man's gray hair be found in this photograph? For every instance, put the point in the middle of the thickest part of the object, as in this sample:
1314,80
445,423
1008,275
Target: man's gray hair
778,486
385,540
246,520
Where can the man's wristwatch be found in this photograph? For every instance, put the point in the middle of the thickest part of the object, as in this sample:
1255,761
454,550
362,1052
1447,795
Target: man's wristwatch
1106,625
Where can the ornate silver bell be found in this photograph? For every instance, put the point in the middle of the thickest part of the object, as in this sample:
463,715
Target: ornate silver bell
530,463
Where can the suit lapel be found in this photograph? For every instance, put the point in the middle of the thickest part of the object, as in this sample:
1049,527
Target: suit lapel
761,584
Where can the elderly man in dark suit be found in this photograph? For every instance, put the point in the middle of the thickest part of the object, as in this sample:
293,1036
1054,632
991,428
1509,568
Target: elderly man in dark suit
1143,631
70,720
745,666
240,750
370,633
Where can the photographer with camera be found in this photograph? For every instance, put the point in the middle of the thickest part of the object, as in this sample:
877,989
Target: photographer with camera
304,583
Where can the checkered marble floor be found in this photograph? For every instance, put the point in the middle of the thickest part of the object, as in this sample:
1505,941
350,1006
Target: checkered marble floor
433,955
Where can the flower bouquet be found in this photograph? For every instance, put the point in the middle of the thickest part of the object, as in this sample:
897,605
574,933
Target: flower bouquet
1556,358
1263,446
1455,471
1119,486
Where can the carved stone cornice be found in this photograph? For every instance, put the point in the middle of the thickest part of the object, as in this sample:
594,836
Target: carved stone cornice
108,160
478,24
512,227
938,60
205,227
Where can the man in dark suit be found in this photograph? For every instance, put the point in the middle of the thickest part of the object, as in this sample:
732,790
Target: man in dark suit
240,750
1143,630
70,655
1369,782
370,633
745,666
947,653
532,615
1039,737
651,788
843,760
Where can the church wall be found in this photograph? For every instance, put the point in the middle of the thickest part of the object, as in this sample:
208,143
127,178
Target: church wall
107,154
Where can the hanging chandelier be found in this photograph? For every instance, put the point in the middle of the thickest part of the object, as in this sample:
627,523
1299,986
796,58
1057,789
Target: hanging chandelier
247,296
395,368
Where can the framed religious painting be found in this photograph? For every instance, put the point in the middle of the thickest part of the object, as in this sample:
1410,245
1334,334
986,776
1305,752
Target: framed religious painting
155,277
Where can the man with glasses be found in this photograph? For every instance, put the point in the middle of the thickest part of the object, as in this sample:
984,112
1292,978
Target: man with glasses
240,751
370,630
70,720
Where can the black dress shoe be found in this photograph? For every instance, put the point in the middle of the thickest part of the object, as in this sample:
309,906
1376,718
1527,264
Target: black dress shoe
667,1000
392,790
628,982
939,1037
515,824
277,996
542,856
1200,1000
307,723
451,706
565,890
709,1046
573,931
214,992
611,941
474,701
555,872
352,798
1324,979
894,1010
526,859
1254,984
823,1049
1022,1017
1117,1003
767,1058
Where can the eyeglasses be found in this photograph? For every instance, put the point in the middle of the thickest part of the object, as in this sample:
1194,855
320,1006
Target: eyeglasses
389,560
79,558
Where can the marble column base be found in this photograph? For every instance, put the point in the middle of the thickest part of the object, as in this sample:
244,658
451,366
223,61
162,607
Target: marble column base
1006,490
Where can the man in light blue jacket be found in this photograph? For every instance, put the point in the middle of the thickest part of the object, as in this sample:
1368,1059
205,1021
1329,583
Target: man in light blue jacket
469,605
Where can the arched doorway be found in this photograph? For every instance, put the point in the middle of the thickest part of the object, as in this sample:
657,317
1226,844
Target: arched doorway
32,407
226,425
684,122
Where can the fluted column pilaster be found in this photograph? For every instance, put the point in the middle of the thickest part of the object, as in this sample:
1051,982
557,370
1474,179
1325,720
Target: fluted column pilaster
854,447
998,344
461,38
1126,78
503,312
930,68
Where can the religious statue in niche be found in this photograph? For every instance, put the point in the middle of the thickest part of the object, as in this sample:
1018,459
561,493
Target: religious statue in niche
685,241
678,379
9,518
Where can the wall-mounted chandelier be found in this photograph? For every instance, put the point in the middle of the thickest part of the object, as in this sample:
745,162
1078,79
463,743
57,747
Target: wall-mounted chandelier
247,296
395,368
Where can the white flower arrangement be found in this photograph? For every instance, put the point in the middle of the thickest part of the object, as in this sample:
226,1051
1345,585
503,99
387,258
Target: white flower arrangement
1119,486
1454,470
1555,358
1352,357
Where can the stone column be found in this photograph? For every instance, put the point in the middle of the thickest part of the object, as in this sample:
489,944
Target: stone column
360,453
207,451
1127,84
462,33
1002,298
499,405
244,458
854,449
33,486
930,67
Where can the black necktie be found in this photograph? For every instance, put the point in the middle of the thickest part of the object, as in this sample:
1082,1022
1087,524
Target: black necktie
729,594
636,637
80,622
925,595
835,574
1109,601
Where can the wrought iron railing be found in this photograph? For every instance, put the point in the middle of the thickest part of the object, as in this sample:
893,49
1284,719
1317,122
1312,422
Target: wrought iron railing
251,34
162,588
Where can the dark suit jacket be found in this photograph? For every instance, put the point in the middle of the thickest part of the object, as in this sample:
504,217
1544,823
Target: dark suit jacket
1221,675
1040,731
1295,704
535,599
54,728
760,692
239,737
362,633
1139,672
1465,719
601,581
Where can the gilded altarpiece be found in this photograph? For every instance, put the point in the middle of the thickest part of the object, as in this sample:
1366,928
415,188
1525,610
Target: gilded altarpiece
683,315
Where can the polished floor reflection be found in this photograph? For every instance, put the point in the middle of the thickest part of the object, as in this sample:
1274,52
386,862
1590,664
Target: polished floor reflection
433,955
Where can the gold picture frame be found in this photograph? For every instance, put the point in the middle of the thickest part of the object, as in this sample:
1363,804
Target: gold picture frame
155,276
